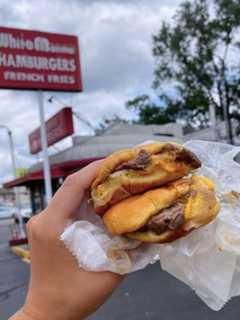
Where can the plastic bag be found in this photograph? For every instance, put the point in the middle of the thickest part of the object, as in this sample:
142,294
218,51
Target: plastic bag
208,259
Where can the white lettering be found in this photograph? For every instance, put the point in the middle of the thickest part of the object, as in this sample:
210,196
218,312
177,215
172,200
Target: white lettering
29,63
39,63
12,42
52,64
44,64
10,61
63,79
3,40
22,76
3,60
29,44
42,44
72,65
20,61
36,77
64,64
9,76
71,80
6,75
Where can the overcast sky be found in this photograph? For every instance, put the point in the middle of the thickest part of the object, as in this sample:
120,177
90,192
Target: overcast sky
117,65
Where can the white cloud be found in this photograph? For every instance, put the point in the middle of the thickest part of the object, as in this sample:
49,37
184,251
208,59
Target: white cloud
115,43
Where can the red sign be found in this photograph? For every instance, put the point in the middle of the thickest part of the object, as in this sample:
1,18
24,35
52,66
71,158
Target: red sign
39,60
58,127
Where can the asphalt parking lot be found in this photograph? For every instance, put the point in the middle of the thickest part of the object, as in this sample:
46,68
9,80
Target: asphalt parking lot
148,294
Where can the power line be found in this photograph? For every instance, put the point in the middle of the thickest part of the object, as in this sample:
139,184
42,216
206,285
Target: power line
86,122
76,114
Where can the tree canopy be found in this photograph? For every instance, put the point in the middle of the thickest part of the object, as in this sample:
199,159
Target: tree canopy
197,56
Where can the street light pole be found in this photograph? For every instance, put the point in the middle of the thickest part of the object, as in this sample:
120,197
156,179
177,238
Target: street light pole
11,145
14,171
12,152
44,143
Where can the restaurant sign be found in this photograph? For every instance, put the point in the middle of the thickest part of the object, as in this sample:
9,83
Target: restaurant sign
58,127
39,60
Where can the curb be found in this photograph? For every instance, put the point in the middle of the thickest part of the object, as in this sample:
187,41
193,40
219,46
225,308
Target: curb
23,253
26,260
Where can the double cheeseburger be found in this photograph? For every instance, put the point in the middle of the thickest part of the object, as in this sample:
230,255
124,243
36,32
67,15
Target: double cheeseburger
149,193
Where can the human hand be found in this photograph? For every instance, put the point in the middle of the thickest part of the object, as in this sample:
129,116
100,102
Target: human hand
58,288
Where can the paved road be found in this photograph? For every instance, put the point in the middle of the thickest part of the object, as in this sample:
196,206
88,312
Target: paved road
149,294
14,275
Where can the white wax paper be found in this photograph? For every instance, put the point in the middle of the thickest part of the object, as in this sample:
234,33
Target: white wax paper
208,259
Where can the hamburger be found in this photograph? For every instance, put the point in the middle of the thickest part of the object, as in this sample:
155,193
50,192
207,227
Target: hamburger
149,193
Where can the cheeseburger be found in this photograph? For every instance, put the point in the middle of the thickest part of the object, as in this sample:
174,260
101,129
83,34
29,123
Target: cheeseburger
150,193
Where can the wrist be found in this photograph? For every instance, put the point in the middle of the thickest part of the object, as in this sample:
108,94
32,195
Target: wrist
42,305
21,315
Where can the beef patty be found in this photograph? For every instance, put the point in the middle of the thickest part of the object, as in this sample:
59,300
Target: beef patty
169,218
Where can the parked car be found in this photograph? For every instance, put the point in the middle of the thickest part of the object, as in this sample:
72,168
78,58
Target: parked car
6,212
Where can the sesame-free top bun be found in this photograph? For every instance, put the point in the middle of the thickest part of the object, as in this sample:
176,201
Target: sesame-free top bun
195,195
133,171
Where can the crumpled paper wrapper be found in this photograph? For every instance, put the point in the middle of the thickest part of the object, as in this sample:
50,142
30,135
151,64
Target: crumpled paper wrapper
207,260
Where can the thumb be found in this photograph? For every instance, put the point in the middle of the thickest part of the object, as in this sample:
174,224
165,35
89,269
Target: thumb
67,199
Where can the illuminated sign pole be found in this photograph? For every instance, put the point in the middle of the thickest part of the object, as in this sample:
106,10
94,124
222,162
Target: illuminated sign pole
46,165
35,60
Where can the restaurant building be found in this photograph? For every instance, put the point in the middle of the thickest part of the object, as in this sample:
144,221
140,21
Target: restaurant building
86,149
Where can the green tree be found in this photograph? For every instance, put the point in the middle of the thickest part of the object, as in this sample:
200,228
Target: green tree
197,56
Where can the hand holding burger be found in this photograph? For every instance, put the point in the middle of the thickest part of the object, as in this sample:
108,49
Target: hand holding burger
150,193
